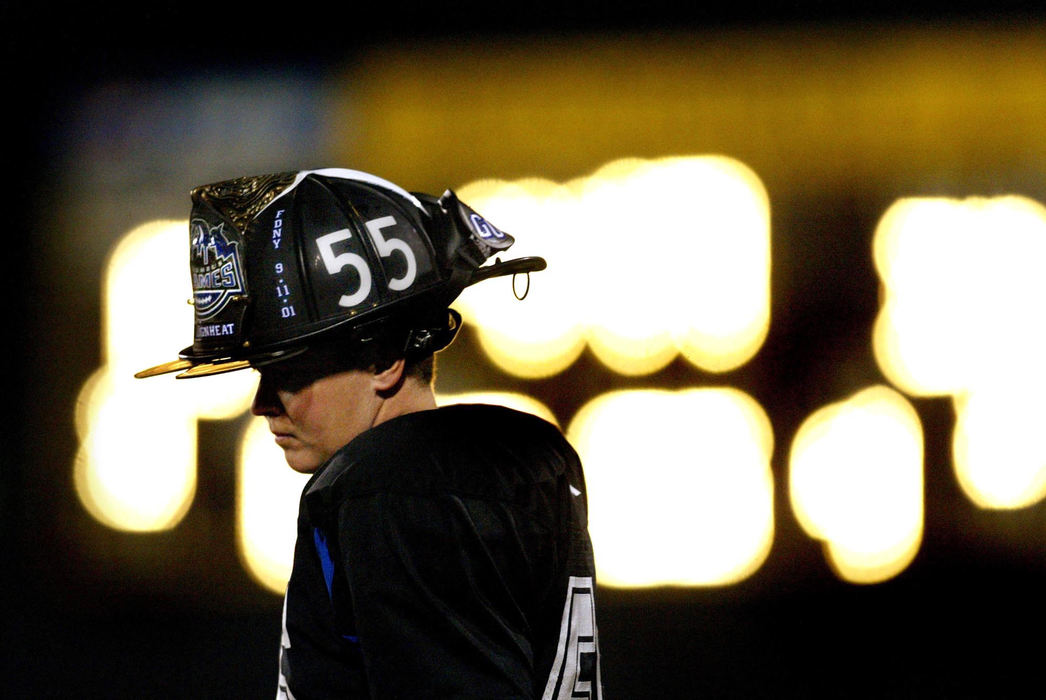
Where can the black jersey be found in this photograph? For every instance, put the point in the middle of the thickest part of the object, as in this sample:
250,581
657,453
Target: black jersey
441,554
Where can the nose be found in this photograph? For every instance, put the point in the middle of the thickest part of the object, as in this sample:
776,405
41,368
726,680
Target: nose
266,399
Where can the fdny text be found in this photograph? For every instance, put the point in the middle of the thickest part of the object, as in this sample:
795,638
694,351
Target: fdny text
277,230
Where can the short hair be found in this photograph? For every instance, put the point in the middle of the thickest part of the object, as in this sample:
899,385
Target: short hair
377,354
423,369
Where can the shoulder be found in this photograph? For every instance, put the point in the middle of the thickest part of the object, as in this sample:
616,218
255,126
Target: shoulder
458,429
476,450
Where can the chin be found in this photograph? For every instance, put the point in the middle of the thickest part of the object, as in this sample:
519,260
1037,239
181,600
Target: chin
303,468
302,463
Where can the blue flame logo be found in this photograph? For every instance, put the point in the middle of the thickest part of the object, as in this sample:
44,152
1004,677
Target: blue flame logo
214,262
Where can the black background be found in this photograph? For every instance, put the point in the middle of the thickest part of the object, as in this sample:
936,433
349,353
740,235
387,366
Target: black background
955,624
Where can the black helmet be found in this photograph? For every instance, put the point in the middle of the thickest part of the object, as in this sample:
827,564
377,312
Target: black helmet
277,260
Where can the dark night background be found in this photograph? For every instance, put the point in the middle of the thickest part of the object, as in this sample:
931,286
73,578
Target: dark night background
959,622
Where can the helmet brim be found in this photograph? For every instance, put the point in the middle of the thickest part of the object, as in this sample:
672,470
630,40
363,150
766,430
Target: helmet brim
200,367
419,341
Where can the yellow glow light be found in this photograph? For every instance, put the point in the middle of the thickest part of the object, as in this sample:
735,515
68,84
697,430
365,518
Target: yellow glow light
136,465
647,259
631,231
999,446
135,470
267,507
721,265
680,486
962,315
139,271
856,482
964,292
139,334
544,335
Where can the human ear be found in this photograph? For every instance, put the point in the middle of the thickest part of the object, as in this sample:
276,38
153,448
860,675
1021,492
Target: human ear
390,377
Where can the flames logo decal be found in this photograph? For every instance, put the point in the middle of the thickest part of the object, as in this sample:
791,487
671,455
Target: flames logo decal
217,275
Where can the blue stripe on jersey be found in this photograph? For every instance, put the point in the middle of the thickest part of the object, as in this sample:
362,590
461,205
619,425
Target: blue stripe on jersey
325,558
328,569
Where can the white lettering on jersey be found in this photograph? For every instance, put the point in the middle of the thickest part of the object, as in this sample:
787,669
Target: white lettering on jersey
575,672
282,691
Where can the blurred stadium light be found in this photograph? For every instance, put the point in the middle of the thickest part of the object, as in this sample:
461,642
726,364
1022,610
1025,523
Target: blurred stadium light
647,260
730,241
962,316
856,483
830,110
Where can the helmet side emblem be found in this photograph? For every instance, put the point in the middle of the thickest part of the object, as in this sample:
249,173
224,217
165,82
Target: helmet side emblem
483,228
217,275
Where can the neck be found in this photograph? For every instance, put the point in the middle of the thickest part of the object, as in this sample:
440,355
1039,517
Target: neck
410,396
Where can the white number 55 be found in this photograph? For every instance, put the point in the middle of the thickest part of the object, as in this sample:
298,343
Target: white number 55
336,262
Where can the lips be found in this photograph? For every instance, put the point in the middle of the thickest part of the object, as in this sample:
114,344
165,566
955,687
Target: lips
283,439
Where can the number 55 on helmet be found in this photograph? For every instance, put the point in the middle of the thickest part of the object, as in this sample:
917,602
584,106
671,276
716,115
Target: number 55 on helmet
280,260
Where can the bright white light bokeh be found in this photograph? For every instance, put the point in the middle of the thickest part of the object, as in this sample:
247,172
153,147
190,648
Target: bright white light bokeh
136,465
139,333
964,291
128,474
856,483
266,507
962,316
679,483
998,445
647,260
543,335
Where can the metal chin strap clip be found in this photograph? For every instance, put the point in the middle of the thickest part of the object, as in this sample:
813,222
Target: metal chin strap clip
526,290
516,267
